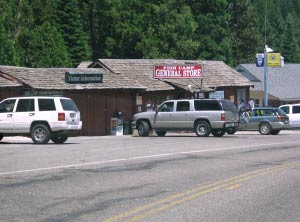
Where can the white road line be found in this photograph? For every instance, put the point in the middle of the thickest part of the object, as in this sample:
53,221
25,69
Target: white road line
138,158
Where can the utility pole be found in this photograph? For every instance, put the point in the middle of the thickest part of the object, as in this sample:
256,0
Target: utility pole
265,61
265,76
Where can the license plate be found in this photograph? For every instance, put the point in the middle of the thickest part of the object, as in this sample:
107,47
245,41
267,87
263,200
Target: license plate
230,124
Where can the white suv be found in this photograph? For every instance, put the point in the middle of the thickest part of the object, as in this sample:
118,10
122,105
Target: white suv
293,112
40,117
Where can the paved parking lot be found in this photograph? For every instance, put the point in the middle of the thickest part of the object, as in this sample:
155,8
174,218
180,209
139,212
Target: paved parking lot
180,177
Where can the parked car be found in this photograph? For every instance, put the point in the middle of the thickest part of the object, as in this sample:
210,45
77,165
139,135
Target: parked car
293,112
41,118
265,120
204,116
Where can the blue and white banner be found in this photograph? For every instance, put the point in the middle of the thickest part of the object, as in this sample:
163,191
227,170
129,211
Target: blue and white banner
260,60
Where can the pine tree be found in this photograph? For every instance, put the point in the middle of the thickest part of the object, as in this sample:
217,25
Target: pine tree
291,49
101,27
71,26
244,36
8,54
213,30
39,43
43,47
169,31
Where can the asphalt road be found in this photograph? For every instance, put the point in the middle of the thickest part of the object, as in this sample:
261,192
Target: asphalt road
180,177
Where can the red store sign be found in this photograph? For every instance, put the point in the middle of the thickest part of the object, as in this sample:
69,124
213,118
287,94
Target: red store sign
179,72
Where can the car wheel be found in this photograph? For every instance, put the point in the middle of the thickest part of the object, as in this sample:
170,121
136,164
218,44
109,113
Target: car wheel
143,129
218,132
40,134
60,138
161,133
264,129
275,132
202,128
231,130
1,137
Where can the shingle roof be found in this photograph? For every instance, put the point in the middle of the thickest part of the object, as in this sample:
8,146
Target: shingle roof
283,82
85,64
54,78
216,73
8,83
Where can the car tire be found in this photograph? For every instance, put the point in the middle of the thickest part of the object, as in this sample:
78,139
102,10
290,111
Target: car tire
143,128
161,133
1,137
40,134
275,132
59,139
264,128
218,132
202,129
231,130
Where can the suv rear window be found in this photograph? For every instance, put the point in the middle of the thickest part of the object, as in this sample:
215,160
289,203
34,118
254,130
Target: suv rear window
228,106
46,105
207,105
68,105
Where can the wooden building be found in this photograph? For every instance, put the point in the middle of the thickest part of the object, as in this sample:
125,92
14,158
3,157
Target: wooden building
127,86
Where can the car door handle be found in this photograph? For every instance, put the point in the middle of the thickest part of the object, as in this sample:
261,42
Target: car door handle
9,115
31,114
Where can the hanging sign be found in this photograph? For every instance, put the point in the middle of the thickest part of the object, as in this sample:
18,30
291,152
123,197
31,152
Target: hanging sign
273,59
77,77
178,71
259,60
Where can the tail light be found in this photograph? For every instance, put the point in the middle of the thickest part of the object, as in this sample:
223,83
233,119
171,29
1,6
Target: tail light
222,116
61,117
281,117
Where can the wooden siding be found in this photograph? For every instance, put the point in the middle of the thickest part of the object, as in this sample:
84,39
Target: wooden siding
97,109
9,92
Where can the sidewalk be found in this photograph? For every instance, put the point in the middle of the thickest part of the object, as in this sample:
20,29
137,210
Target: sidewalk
23,139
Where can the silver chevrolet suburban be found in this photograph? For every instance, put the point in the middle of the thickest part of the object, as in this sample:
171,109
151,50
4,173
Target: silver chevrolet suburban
204,116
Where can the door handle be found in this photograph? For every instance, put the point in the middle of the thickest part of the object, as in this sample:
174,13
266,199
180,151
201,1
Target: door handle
9,115
31,114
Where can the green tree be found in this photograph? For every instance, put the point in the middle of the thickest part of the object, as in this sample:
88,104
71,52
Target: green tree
39,42
291,49
244,36
43,47
8,54
169,32
213,32
71,25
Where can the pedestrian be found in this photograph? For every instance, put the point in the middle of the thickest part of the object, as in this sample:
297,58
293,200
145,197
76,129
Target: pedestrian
250,104
241,105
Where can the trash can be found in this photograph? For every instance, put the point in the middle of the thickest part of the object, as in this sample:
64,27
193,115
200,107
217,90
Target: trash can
127,130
